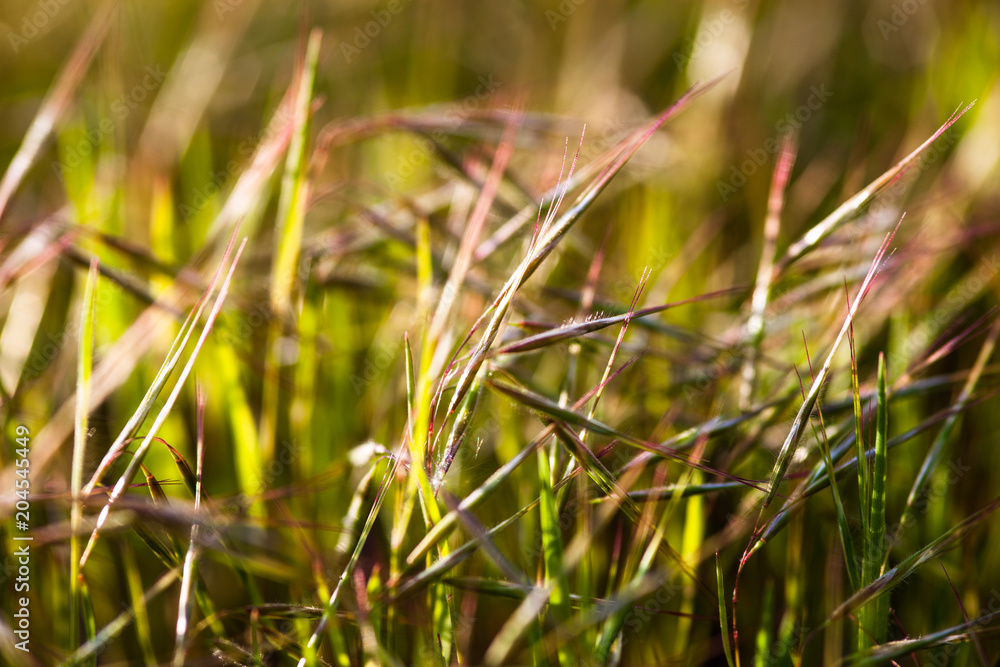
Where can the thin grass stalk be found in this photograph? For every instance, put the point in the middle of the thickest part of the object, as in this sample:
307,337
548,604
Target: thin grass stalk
56,101
121,621
188,576
762,290
85,365
554,576
860,454
843,527
133,579
312,646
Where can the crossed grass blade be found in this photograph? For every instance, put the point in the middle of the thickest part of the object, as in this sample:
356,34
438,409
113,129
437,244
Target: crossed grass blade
850,208
949,639
802,416
551,236
570,331
311,648
933,456
296,187
441,529
893,576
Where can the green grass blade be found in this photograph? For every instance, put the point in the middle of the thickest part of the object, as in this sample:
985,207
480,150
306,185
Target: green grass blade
874,618
101,639
123,481
860,454
295,189
765,636
89,621
441,529
492,483
843,528
570,416
133,579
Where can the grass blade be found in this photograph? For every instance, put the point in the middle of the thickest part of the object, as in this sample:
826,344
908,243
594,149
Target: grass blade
874,617
762,290
933,456
295,191
723,622
551,237
312,646
795,433
855,204
123,481
56,102
85,365
907,566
